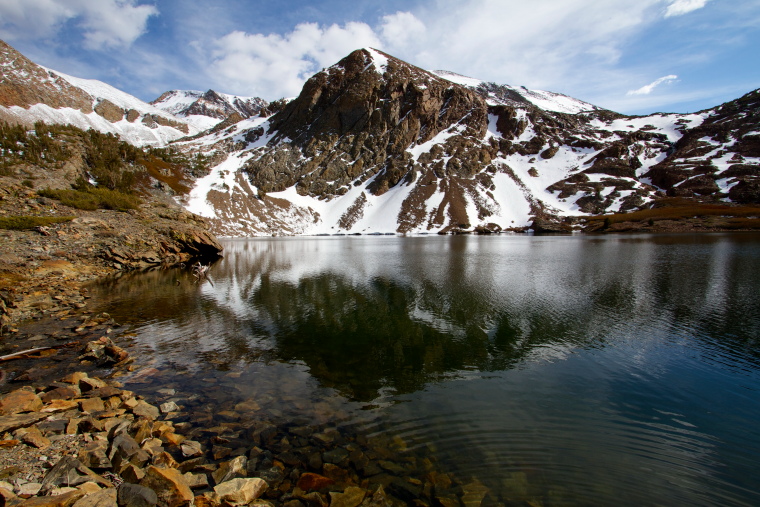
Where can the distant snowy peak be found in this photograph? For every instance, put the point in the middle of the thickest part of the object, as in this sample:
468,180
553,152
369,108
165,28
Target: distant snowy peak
30,93
497,94
206,109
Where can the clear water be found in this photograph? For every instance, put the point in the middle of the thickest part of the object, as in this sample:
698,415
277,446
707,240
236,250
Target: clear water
615,370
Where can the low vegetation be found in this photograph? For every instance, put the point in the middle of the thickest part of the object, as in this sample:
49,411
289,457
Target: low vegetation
107,162
20,223
92,198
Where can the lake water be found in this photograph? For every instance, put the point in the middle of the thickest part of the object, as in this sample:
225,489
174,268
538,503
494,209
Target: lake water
574,370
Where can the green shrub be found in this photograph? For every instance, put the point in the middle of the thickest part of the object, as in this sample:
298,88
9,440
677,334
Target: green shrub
94,198
20,223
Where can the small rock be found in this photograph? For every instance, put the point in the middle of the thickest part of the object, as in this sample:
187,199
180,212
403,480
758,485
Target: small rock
191,448
60,406
169,485
219,452
7,497
63,500
69,471
335,456
102,498
92,405
164,460
311,481
134,495
28,490
74,378
32,436
87,384
146,410
93,455
169,406
61,393
19,401
229,470
132,474
351,497
89,487
240,491
196,481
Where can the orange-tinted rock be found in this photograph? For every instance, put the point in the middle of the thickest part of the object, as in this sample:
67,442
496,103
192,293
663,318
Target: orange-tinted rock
170,487
310,481
18,401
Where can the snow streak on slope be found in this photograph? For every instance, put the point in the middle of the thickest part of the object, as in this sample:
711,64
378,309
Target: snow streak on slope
132,132
500,94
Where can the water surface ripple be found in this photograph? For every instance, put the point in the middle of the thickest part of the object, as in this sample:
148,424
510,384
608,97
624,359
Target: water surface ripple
616,370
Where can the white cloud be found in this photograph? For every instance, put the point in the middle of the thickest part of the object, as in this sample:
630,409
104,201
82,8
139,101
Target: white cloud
401,29
647,89
104,23
681,7
275,65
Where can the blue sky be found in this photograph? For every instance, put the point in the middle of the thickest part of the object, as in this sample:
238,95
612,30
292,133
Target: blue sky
631,56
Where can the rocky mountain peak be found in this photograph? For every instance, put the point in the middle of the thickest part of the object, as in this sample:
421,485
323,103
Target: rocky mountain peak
358,118
211,106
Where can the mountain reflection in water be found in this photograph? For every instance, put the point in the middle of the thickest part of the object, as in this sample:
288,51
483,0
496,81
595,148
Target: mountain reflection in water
366,314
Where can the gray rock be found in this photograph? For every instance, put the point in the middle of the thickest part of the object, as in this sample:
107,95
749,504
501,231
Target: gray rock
145,409
230,470
169,406
69,471
134,495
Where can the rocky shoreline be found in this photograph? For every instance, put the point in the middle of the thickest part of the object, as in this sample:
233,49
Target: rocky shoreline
84,439
44,270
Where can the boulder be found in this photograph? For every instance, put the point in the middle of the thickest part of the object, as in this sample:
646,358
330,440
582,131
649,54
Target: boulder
170,487
240,491
19,401
134,495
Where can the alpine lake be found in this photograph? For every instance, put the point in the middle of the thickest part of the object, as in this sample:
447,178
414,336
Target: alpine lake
488,370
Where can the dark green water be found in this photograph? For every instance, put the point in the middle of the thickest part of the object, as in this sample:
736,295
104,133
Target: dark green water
616,370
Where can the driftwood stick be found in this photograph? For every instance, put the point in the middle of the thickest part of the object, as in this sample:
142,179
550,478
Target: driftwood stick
17,355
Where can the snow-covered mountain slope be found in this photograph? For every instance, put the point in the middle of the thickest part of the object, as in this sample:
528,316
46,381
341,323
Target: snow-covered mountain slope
207,109
376,145
29,93
497,94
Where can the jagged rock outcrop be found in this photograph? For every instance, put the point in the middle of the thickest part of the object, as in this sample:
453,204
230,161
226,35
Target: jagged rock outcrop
211,106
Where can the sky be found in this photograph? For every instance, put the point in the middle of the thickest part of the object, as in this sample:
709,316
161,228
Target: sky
631,56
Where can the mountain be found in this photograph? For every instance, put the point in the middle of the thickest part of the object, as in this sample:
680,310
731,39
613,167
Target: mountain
30,92
500,94
376,145
206,109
